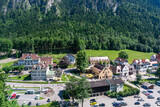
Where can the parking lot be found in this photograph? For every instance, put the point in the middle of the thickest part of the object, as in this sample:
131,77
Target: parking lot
129,100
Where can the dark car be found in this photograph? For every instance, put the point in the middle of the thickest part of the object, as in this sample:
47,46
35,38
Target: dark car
102,105
48,100
17,96
158,92
136,96
146,105
37,104
29,104
119,98
76,104
123,104
116,104
150,97
158,98
137,103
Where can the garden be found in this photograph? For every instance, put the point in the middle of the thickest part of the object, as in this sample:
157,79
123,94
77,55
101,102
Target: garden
127,91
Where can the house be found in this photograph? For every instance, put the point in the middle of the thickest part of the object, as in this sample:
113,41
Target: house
155,58
121,61
94,60
71,58
101,71
123,70
147,85
155,65
38,71
141,65
100,87
28,60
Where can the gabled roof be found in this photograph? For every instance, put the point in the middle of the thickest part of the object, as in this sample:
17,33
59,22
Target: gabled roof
121,59
99,83
41,65
47,60
99,67
115,81
146,84
29,56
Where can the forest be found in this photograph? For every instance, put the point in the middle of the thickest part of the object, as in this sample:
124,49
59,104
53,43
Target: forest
134,25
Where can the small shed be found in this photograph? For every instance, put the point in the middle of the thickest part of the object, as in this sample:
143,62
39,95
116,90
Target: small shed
147,85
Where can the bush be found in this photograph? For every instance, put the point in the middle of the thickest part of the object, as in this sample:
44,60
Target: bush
127,92
65,95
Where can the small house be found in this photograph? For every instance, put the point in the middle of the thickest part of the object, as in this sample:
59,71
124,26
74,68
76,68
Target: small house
121,61
70,58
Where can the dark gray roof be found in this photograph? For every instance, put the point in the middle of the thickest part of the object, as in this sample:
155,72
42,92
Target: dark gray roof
115,81
106,82
99,83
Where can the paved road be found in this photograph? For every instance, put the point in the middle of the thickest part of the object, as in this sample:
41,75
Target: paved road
56,87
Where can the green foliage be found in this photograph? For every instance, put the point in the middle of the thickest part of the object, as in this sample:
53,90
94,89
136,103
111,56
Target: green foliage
81,60
139,77
123,54
157,74
7,69
127,91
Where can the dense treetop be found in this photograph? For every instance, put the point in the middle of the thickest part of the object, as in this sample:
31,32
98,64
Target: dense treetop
102,24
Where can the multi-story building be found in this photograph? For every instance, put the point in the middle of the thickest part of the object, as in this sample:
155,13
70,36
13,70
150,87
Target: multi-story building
28,60
38,72
121,61
101,71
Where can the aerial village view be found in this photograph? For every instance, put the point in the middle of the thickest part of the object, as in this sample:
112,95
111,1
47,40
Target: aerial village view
79,53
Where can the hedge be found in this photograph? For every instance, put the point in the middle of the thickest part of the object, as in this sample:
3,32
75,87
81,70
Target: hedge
127,92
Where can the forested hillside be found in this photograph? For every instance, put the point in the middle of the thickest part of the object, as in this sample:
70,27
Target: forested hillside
44,26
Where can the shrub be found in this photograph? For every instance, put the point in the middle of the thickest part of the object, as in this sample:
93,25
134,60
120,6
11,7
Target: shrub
127,92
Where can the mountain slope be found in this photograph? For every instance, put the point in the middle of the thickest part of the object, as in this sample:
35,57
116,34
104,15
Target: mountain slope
101,24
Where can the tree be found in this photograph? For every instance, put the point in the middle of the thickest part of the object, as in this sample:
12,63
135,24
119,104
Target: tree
65,62
78,89
139,77
81,60
83,90
72,87
123,54
7,69
4,102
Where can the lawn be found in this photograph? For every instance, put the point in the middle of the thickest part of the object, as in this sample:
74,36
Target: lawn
52,104
21,77
112,54
35,82
63,78
152,80
6,64
41,98
125,87
69,77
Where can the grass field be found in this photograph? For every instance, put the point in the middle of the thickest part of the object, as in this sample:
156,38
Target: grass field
63,78
6,64
112,54
21,77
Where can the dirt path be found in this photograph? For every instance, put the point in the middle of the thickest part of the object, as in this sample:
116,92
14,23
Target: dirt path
8,60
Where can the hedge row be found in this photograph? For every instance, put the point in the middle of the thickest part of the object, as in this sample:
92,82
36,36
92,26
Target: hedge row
127,92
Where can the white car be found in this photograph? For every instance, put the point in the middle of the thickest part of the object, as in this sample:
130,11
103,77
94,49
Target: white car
158,103
24,103
140,99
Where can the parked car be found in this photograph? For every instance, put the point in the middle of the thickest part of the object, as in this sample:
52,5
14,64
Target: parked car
158,92
29,104
76,104
158,103
136,96
48,100
137,103
17,96
147,105
37,104
119,98
150,97
123,103
93,102
140,99
102,105
24,103
150,91
158,98
13,96
116,104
